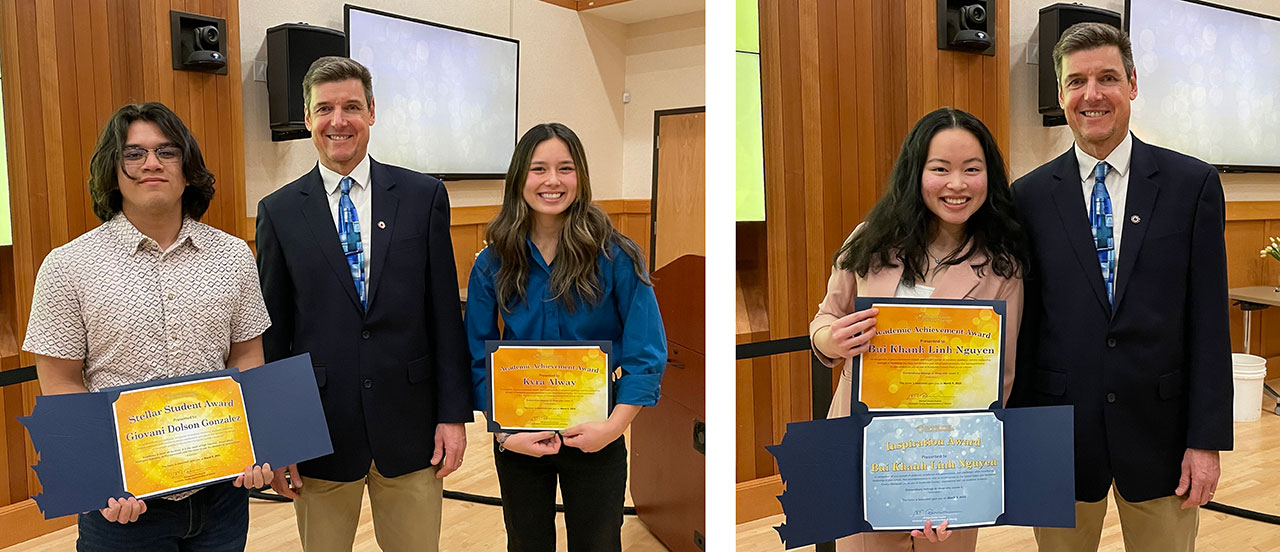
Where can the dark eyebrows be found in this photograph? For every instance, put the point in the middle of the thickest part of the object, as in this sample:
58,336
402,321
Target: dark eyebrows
945,161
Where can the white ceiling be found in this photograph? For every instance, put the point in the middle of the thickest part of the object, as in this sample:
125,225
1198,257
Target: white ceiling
636,11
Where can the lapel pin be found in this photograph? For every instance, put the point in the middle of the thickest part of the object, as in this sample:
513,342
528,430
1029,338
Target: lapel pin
1135,218
383,225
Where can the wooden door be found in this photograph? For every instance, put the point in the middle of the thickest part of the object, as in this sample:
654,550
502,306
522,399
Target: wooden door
679,186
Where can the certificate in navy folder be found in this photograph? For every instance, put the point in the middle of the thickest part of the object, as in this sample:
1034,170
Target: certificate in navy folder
205,422
822,466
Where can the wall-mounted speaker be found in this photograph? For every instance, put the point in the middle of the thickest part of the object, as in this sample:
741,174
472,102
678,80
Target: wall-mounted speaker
1054,20
291,49
967,25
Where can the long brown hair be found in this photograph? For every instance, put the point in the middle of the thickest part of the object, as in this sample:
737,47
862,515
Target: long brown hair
587,231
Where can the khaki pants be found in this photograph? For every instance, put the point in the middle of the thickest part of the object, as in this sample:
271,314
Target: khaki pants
1157,525
406,512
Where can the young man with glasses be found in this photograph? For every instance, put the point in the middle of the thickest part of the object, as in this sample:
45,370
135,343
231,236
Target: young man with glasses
151,293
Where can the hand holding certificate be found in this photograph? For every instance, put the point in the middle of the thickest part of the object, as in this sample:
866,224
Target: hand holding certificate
933,355
548,386
167,436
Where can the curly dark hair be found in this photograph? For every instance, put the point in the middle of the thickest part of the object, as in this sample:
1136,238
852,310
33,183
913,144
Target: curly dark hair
897,228
586,233
103,185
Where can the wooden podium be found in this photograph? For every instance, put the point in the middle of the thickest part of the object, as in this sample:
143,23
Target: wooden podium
668,441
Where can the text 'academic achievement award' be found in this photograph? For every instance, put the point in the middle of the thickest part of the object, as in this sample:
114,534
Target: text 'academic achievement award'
548,386
927,356
182,435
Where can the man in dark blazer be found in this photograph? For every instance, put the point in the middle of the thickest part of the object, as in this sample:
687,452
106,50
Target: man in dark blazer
378,310
1143,354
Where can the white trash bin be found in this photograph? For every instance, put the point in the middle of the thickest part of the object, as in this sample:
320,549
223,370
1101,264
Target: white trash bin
1248,371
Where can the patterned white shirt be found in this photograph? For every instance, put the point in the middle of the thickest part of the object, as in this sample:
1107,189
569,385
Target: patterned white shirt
135,313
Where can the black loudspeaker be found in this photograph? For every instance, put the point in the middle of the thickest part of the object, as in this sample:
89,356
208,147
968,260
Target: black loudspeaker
291,48
1054,20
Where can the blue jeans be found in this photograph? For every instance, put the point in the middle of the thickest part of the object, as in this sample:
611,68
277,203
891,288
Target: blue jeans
216,519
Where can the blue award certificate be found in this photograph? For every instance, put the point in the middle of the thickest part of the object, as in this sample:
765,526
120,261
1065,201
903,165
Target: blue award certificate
942,467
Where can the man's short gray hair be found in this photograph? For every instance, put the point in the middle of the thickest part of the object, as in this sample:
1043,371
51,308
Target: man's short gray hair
1087,36
336,69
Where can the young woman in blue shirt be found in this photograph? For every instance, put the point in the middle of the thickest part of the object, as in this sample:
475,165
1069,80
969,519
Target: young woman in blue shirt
555,268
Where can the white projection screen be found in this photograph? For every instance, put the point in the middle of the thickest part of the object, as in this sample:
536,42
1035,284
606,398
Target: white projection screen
445,98
1208,82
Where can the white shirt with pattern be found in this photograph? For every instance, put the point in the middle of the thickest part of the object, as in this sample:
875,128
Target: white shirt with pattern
134,313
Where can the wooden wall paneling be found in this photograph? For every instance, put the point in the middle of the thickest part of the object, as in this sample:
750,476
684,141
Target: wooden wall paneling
51,114
1001,92
868,189
1244,268
74,198
846,17
1269,341
744,414
87,116
825,221
465,246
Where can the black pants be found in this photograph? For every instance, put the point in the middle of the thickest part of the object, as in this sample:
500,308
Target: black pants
592,486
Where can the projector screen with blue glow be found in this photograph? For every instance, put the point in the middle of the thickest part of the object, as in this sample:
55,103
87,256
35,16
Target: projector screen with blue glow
1208,82
445,98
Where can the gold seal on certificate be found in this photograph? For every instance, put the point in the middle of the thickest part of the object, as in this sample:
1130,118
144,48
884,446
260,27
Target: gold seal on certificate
548,385
182,435
933,354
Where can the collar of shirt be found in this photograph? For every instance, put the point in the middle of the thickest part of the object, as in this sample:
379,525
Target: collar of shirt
537,255
360,175
1119,159
133,240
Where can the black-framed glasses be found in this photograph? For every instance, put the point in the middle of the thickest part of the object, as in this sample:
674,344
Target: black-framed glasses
134,155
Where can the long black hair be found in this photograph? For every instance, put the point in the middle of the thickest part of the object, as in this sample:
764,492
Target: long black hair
104,188
897,229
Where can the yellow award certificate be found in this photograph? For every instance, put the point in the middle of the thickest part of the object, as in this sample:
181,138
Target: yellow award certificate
933,356
182,435
547,386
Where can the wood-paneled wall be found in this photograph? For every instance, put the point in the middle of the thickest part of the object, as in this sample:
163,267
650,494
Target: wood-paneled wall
1249,227
67,66
842,82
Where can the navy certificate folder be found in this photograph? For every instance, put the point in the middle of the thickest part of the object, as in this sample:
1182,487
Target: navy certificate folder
821,466
79,467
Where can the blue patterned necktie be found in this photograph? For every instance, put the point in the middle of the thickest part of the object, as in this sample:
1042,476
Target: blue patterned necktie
349,234
1103,239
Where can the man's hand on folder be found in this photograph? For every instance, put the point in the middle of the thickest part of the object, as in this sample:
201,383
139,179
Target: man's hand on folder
286,482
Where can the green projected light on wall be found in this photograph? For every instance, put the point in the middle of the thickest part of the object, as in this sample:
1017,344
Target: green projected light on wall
6,230
749,190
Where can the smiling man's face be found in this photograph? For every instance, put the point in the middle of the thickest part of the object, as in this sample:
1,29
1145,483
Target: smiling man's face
1094,93
339,119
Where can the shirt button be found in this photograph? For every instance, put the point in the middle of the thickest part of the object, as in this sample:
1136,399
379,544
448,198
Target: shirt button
174,335
368,383
170,296
1111,342
1111,397
364,334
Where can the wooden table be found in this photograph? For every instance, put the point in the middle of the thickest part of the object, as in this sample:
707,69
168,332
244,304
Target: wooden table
1251,299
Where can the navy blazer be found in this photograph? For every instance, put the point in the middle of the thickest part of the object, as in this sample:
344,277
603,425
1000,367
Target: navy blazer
1151,377
387,375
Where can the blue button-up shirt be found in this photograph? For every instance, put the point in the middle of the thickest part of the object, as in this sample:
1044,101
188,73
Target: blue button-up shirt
627,315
